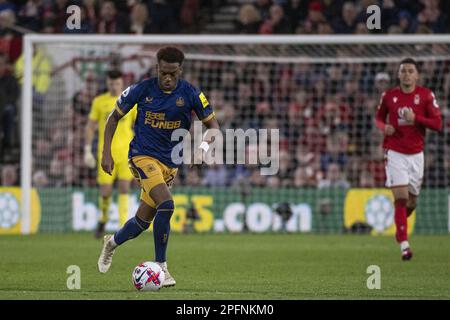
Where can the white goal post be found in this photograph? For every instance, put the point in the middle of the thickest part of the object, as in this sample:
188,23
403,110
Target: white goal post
30,41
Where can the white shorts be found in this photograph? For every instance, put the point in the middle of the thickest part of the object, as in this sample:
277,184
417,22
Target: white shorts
404,170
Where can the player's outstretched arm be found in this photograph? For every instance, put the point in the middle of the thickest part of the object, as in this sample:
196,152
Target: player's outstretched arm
110,129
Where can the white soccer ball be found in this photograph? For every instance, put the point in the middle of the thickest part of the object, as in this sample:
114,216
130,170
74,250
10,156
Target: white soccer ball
379,213
148,276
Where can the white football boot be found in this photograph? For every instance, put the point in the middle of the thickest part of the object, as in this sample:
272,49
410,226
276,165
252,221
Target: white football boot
169,281
105,259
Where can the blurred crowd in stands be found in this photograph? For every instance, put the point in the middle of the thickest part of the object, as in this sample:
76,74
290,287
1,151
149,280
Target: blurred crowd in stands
342,16
324,111
190,16
103,16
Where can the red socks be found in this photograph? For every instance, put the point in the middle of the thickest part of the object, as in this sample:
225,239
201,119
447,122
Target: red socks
400,220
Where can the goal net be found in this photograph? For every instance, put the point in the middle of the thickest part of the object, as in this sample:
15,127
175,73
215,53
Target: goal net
321,93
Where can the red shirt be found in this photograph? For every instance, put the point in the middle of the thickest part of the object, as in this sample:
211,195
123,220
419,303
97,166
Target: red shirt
408,137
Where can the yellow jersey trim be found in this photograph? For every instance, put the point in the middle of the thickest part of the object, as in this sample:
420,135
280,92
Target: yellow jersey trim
211,116
119,111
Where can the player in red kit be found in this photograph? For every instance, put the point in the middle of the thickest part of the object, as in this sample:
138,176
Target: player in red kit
404,114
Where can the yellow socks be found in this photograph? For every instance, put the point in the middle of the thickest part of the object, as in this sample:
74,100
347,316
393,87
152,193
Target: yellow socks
104,203
123,208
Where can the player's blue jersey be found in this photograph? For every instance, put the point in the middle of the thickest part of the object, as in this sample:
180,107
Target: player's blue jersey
159,113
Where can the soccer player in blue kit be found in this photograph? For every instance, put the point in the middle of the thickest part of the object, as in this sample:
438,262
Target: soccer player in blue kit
164,104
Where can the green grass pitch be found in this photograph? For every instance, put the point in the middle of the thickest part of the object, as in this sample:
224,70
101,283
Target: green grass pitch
228,266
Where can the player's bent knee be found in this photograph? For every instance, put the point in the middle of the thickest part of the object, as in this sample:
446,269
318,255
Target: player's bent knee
166,206
142,223
146,212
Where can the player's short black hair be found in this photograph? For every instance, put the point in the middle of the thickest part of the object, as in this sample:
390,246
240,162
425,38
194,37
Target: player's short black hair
410,61
170,55
114,74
